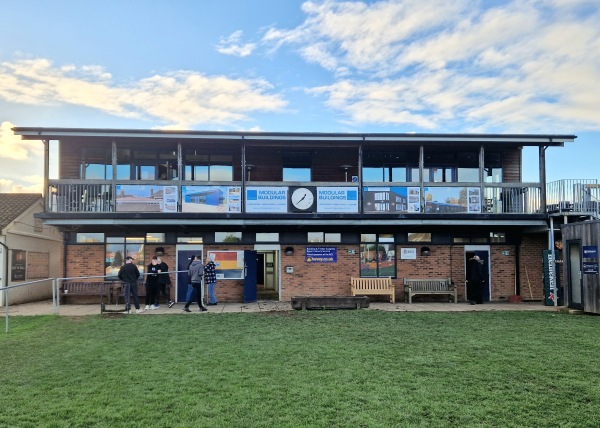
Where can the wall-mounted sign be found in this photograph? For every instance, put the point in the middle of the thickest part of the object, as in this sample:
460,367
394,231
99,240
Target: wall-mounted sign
408,253
590,252
337,199
146,198
19,265
590,268
266,199
321,255
396,199
211,199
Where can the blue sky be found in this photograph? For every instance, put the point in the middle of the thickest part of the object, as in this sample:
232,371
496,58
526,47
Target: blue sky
524,66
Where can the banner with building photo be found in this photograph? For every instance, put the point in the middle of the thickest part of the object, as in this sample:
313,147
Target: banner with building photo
337,199
393,199
211,199
266,199
447,200
146,198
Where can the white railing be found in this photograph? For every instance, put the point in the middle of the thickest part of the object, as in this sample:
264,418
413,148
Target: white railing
573,196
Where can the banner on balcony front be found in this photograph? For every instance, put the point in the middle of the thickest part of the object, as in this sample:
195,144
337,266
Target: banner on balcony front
211,199
266,199
146,198
394,199
447,200
337,199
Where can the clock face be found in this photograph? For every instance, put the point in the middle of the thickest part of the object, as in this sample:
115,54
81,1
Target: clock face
302,199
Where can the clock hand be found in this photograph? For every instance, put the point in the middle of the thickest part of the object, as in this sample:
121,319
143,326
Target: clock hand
303,197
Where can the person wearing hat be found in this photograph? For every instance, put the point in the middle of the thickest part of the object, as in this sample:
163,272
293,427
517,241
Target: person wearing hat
475,280
129,273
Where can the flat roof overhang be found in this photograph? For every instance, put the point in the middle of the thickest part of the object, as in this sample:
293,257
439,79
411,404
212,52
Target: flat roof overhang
34,133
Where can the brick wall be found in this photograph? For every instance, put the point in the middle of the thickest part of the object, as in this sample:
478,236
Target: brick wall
531,262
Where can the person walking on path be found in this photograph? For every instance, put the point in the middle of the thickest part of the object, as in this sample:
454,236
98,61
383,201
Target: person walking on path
151,283
163,282
129,273
475,281
210,278
196,271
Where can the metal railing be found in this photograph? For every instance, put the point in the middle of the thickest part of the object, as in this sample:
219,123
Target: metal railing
22,284
573,196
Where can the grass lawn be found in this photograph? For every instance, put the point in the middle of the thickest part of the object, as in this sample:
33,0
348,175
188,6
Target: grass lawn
305,369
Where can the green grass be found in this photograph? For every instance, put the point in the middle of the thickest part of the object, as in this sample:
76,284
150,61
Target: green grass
305,369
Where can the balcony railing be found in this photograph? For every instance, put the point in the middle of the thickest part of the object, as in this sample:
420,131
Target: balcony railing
98,196
573,197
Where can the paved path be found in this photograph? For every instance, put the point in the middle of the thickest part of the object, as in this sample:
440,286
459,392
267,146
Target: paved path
46,308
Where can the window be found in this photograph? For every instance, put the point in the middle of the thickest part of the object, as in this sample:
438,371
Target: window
419,237
90,238
499,237
297,166
386,166
449,166
97,164
155,237
208,166
324,237
228,237
189,240
377,255
267,237
117,248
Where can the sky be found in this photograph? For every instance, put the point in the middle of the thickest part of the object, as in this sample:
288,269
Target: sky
426,66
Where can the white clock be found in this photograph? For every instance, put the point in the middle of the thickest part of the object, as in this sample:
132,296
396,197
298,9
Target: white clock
302,198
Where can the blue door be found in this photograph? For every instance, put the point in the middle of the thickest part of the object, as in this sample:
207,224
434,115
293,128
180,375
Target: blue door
250,258
184,258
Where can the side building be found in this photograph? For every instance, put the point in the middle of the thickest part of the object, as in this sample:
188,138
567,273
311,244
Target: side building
299,214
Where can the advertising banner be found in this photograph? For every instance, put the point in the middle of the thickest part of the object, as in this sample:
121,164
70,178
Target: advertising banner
395,199
266,199
337,199
321,255
447,200
146,198
211,199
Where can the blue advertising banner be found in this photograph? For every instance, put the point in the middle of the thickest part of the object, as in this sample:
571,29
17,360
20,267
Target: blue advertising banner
337,199
590,252
266,199
321,255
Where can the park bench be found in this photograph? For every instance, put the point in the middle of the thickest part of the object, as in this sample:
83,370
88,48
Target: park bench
373,286
101,289
443,286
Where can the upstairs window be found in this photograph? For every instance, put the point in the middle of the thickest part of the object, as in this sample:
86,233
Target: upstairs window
208,166
297,166
390,166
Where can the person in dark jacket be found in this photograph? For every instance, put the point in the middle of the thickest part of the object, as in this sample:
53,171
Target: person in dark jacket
163,282
129,273
151,283
196,271
475,279
210,277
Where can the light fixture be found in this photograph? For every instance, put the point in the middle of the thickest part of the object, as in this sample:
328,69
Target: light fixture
346,168
289,251
425,251
249,168
160,251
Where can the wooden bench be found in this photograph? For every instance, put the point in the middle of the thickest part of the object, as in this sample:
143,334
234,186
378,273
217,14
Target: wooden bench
373,286
414,286
100,289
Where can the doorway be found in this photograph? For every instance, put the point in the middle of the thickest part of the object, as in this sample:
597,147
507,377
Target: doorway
267,272
483,251
574,276
185,255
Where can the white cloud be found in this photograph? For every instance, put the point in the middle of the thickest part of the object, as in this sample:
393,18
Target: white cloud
181,98
231,45
11,146
17,158
507,66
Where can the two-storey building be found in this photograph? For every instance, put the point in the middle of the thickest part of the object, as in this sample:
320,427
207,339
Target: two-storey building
300,213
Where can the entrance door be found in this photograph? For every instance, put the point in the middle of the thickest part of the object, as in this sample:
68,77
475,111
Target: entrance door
483,251
574,275
185,255
268,274
250,258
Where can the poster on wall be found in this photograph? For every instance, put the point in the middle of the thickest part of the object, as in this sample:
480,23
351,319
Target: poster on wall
266,199
18,265
146,198
394,199
229,264
337,199
321,255
474,199
211,199
447,200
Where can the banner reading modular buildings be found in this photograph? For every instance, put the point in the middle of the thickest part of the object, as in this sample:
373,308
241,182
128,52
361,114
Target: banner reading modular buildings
211,199
337,199
266,199
146,198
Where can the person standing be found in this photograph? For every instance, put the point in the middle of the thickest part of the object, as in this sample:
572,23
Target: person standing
129,273
151,283
210,278
196,271
163,282
475,280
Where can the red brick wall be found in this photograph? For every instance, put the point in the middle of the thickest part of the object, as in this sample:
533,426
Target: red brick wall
531,262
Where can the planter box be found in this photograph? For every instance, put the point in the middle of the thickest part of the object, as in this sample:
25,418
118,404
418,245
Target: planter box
330,302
